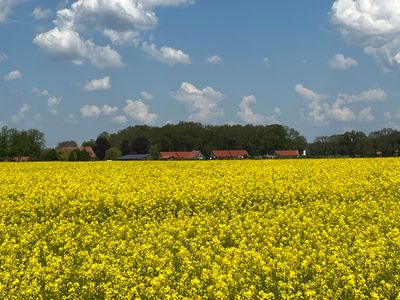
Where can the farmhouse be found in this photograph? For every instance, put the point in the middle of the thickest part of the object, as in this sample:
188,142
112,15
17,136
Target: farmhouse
89,150
19,159
229,154
185,155
286,153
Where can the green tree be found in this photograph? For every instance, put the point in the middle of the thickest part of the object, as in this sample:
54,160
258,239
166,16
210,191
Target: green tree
67,144
113,153
140,145
101,145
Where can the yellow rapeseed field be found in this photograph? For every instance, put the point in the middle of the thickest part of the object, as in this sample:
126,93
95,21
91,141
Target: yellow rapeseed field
290,229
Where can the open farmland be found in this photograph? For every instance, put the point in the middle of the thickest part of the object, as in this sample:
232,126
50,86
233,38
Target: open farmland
215,230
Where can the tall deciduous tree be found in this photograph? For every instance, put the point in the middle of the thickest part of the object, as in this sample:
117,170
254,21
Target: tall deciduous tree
101,145
140,145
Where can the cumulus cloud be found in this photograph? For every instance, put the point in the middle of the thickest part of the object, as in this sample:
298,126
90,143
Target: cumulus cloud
67,45
139,111
6,9
90,111
94,111
339,62
120,119
146,95
101,84
52,101
20,115
109,110
3,56
13,75
372,24
155,3
40,13
202,105
247,115
214,60
120,21
71,119
166,55
321,112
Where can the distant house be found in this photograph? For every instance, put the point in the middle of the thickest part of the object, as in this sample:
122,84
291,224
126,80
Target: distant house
229,154
134,157
89,150
184,155
286,153
19,159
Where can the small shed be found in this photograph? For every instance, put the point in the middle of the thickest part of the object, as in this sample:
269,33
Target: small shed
286,153
134,157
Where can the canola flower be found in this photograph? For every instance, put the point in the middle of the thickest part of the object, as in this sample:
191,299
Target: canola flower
296,229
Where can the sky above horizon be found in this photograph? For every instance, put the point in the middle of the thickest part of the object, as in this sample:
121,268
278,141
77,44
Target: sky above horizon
74,69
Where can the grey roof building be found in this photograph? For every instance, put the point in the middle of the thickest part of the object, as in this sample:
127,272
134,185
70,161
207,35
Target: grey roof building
135,157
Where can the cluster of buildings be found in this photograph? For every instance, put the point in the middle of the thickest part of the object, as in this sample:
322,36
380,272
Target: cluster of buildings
216,154
176,155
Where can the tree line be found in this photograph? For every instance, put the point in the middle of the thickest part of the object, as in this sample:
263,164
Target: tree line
258,140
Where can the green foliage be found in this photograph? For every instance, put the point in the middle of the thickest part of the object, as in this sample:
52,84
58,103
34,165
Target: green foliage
50,155
113,153
187,136
101,145
78,155
14,143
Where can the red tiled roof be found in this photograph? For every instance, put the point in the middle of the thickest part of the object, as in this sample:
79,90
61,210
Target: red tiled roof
229,153
287,153
180,155
89,150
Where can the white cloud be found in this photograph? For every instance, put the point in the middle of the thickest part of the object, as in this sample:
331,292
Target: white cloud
372,24
155,3
18,117
247,115
321,112
339,62
140,112
94,111
71,119
146,95
392,116
90,111
202,105
40,13
3,56
6,9
120,119
214,60
371,95
166,55
13,75
109,110
38,117
67,45
365,115
265,60
54,101
121,21
101,84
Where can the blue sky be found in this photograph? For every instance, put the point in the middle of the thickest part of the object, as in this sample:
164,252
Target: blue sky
76,68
